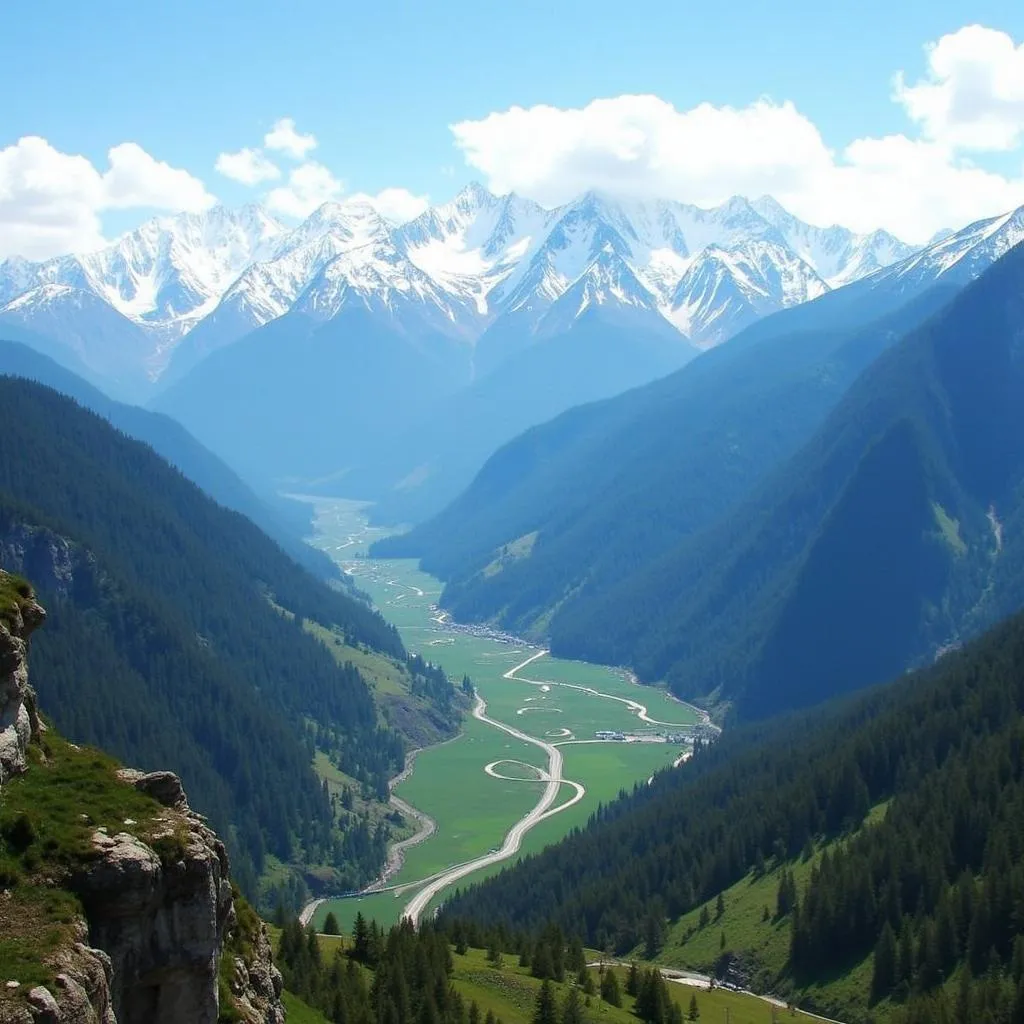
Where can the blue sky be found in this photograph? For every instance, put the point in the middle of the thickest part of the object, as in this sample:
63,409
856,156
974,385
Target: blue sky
380,85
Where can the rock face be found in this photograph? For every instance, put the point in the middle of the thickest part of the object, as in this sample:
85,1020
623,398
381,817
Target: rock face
162,920
256,986
18,721
159,915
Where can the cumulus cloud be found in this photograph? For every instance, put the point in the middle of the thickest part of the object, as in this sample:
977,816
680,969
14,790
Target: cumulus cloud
642,145
137,179
285,138
309,185
971,99
51,202
247,166
973,94
397,205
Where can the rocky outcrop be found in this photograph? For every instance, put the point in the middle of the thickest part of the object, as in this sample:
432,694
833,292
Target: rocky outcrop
256,983
162,916
80,995
163,937
19,616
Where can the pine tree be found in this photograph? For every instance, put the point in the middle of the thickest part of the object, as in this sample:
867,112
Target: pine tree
694,1012
544,1010
361,939
654,935
542,967
633,980
884,977
905,954
572,1008
610,989
331,925
719,907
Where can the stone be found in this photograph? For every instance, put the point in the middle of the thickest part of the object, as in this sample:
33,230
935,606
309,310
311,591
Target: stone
43,1002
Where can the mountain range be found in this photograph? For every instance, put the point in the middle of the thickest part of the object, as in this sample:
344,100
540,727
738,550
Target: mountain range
177,288
685,527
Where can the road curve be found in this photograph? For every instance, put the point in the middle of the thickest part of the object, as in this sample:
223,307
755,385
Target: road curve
633,705
514,839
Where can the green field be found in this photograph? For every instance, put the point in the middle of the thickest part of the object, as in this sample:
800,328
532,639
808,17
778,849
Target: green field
473,810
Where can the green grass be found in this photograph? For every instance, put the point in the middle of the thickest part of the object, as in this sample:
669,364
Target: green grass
299,1012
949,528
515,551
765,943
384,674
511,993
14,592
48,816
474,811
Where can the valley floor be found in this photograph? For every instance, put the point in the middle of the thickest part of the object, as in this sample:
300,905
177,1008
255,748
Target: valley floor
549,740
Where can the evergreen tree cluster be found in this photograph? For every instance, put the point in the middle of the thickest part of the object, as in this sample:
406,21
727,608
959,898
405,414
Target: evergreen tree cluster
934,886
940,882
175,638
410,980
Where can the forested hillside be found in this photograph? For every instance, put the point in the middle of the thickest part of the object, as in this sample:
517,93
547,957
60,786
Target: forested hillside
334,387
888,536
892,534
605,489
178,638
288,522
930,888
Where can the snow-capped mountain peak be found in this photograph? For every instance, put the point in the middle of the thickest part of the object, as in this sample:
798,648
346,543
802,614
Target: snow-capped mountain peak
209,278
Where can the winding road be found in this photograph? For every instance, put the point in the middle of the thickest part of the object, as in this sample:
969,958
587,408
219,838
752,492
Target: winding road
543,808
514,838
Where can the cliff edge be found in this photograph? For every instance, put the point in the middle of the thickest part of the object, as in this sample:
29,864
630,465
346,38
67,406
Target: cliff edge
116,905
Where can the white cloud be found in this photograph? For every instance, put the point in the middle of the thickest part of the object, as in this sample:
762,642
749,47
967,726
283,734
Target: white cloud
247,166
137,179
50,202
973,95
644,146
641,145
285,138
397,205
309,185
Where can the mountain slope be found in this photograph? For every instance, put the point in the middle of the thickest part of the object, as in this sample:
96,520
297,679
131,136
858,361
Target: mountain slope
285,524
416,472
883,525
176,637
299,399
610,486
893,814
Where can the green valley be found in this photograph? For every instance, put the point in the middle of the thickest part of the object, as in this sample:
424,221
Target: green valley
477,786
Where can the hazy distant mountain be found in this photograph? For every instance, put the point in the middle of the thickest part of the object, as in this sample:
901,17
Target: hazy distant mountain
142,294
287,522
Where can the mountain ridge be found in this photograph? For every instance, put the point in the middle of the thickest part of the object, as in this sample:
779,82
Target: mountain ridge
471,261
